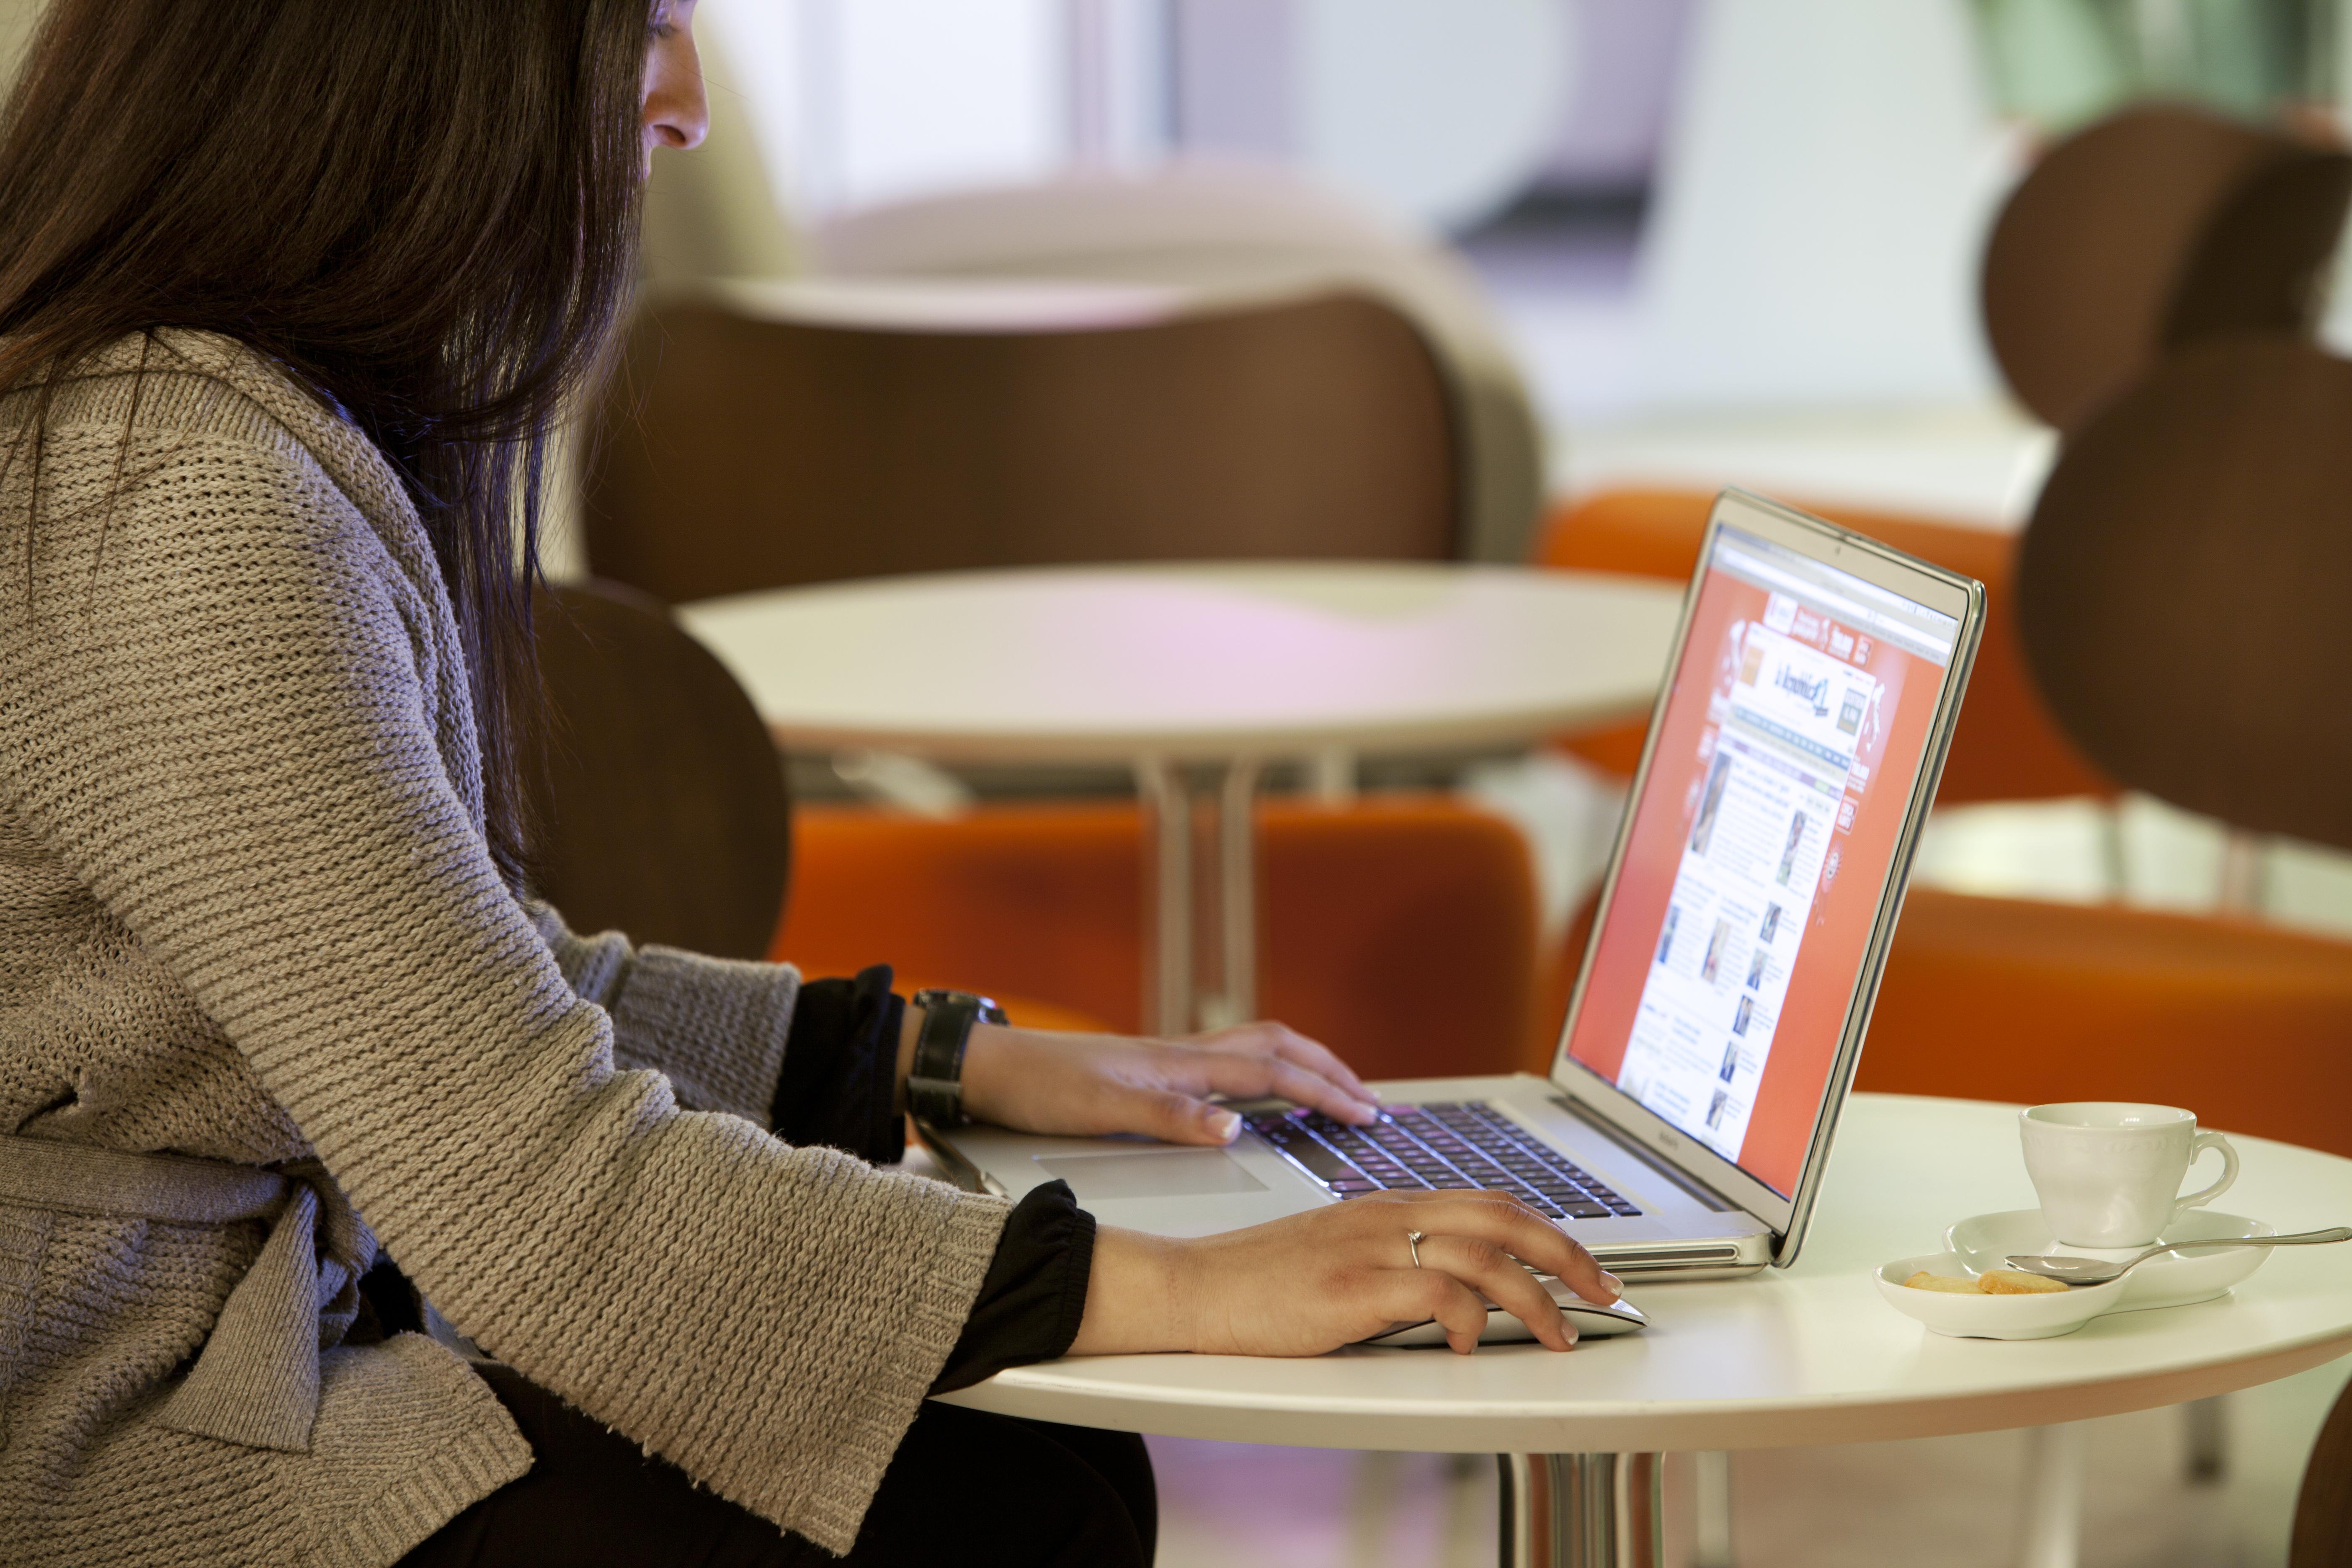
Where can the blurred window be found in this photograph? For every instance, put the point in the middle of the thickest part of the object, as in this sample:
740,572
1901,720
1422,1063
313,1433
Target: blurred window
1444,112
2057,64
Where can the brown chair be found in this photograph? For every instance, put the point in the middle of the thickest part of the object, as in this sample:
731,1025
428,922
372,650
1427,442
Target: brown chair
2174,592
2151,229
660,800
2323,1510
732,452
2182,586
2176,595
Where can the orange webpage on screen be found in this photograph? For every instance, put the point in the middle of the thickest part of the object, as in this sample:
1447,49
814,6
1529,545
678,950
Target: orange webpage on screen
1760,844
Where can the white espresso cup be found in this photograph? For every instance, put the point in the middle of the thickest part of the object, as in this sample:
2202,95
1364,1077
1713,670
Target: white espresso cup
2109,1173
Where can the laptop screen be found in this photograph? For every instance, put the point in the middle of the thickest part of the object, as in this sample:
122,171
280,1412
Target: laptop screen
1766,823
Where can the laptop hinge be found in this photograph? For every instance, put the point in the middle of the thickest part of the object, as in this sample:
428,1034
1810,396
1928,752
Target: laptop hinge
960,1170
1696,1191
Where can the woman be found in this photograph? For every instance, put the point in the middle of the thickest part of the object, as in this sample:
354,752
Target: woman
290,293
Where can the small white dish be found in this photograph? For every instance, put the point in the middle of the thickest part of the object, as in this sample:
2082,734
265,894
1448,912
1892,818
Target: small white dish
1988,1240
2043,1315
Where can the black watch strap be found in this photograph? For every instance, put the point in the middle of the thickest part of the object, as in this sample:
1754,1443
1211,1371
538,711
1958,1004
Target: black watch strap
934,1081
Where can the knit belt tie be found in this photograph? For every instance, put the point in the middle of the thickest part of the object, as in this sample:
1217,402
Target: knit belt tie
256,1380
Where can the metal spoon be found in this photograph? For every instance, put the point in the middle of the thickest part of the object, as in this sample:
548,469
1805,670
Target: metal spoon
2098,1271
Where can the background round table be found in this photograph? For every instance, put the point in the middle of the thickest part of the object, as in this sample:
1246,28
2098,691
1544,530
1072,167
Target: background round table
1804,1356
1195,676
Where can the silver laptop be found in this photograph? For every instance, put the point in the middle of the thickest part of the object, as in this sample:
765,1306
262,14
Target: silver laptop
1734,955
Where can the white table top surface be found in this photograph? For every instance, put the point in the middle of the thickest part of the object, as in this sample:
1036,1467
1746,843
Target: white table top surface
1194,662
1809,1355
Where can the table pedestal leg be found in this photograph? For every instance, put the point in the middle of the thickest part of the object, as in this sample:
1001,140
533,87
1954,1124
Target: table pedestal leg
1167,851
1583,1510
1236,1001
2053,1497
1184,929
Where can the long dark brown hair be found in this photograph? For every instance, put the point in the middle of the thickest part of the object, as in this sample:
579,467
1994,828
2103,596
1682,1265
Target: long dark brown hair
425,211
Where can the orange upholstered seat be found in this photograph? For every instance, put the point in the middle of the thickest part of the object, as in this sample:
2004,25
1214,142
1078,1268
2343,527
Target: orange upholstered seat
2020,1000
2249,1026
1400,931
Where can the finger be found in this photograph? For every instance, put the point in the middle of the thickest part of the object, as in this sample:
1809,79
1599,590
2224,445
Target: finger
1417,1295
1174,1117
1252,1077
1517,1229
1288,1043
1502,1280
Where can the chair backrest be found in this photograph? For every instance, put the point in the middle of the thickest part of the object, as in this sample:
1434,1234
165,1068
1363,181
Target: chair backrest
732,453
2151,229
2182,586
2323,1510
1224,233
659,797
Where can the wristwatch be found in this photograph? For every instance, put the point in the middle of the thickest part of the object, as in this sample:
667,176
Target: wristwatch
935,1082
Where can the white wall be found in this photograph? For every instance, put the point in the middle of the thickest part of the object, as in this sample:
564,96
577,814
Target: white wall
862,101
1829,175
1625,70
1441,111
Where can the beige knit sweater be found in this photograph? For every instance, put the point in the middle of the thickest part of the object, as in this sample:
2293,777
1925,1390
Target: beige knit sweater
246,913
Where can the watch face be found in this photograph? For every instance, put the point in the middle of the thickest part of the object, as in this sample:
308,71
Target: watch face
983,1007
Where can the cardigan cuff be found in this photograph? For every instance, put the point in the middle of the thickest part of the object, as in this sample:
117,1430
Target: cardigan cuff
721,1024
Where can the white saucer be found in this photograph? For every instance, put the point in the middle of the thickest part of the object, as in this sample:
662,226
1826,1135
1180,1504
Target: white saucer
1987,1240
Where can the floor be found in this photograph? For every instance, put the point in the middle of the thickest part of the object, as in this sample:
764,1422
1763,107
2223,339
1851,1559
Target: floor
1566,283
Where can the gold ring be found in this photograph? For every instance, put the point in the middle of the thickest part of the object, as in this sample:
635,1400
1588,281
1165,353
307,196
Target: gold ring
1414,1238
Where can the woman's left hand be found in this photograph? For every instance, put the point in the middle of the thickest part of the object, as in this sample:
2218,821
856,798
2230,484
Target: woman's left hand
1086,1084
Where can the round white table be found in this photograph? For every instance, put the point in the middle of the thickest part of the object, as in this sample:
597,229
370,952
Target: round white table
1195,676
1806,1356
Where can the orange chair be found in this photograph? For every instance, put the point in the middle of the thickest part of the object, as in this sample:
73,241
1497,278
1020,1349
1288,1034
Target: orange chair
1400,931
2007,748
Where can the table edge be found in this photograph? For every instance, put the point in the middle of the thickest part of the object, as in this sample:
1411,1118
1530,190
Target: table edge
1681,1427
1281,740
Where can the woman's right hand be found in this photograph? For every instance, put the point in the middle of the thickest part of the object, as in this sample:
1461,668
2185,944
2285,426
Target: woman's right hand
1314,1281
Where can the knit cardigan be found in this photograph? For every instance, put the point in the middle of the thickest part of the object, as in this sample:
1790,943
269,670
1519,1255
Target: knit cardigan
246,913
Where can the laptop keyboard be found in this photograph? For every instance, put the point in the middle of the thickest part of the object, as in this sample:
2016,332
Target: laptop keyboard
1449,1145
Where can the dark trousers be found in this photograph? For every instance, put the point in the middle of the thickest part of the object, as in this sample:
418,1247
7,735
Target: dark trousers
966,1488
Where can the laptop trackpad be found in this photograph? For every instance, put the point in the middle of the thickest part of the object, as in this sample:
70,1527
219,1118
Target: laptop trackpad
1152,1174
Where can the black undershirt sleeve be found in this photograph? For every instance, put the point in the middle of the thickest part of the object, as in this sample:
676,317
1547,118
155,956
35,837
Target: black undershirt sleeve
838,1088
1034,1291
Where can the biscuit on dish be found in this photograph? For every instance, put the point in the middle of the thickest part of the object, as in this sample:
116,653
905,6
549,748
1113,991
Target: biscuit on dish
2016,1282
1951,1285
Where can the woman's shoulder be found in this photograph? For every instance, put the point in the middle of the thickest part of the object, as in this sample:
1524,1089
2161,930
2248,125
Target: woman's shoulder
184,387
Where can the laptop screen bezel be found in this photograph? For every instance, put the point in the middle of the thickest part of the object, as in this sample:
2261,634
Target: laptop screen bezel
1929,587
